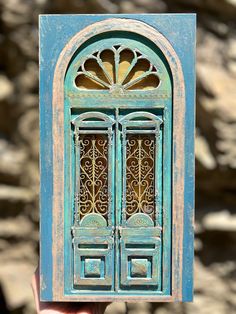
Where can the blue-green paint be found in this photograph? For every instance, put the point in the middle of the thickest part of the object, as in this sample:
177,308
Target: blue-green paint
55,32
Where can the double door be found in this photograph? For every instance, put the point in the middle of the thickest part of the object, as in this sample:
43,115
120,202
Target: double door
117,234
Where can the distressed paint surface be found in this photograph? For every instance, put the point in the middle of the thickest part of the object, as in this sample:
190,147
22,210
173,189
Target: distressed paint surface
55,32
133,123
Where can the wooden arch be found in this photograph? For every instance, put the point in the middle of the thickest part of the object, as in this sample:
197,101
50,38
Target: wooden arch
132,26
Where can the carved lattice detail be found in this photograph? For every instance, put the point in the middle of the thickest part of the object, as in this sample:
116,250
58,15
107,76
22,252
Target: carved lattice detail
93,191
140,195
117,69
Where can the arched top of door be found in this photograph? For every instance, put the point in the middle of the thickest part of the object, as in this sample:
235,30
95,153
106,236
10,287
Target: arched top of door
118,64
104,59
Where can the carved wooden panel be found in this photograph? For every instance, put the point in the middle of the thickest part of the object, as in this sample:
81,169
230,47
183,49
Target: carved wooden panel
116,163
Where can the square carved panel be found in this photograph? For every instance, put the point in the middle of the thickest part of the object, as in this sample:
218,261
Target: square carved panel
140,260
93,268
140,268
93,261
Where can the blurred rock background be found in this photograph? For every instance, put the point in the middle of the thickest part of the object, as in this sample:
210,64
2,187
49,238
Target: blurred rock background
215,244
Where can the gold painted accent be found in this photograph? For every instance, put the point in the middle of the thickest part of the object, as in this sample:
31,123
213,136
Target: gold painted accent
117,69
140,163
154,94
93,191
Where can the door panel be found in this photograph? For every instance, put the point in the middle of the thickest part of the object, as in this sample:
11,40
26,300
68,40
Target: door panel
118,125
137,232
93,230
140,229
140,258
93,257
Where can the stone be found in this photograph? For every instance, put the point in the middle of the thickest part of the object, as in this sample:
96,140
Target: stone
233,2
20,251
210,291
12,161
137,6
27,81
208,45
218,84
16,12
28,128
231,51
219,102
204,154
206,305
15,278
232,67
18,228
222,221
6,87
231,54
16,194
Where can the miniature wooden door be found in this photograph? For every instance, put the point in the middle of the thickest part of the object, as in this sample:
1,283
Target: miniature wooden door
118,171
117,143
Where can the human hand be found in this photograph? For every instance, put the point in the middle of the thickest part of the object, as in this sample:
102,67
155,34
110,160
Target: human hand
64,307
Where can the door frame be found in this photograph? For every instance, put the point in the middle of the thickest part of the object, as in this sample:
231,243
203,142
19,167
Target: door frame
116,117
58,232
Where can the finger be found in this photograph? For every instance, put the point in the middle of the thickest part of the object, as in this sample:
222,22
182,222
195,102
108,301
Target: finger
35,288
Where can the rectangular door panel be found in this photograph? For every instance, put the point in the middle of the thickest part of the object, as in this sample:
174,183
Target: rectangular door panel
140,258
93,258
141,229
93,230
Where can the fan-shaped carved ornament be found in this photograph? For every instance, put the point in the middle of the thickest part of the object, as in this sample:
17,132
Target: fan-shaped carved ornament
117,69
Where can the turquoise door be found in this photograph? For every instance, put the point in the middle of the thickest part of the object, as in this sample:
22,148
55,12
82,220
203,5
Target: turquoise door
119,98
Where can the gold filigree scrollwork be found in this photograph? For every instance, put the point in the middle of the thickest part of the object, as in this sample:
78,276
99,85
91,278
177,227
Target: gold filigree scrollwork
93,181
140,164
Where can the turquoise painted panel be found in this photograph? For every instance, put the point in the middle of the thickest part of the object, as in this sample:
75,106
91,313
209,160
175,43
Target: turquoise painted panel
118,135
131,125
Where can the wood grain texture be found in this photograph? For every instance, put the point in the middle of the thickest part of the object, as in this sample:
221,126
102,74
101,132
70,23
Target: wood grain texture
179,223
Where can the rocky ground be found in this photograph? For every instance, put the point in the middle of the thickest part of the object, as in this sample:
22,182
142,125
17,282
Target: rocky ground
215,267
